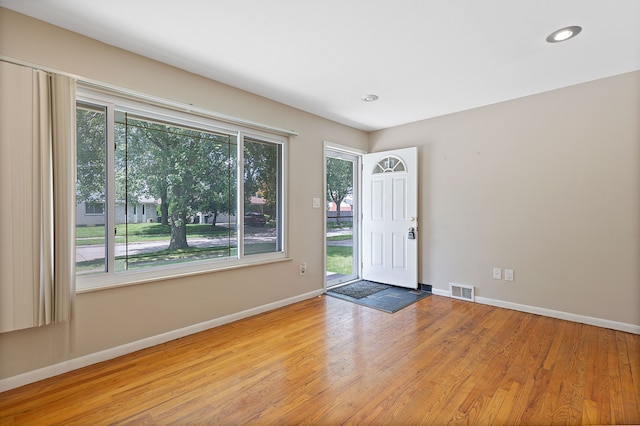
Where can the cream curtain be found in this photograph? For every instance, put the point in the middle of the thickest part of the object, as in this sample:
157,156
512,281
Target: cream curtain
37,197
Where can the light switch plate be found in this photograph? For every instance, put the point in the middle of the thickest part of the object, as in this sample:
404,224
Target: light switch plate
316,202
508,274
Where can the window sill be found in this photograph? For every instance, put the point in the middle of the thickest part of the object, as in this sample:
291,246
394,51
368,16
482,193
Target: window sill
91,283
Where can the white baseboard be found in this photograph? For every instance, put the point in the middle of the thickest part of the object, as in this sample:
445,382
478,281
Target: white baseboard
439,292
583,319
94,358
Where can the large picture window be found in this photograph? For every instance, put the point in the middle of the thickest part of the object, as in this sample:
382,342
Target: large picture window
180,193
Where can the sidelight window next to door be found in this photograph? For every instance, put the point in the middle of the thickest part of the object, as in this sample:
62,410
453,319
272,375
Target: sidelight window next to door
342,217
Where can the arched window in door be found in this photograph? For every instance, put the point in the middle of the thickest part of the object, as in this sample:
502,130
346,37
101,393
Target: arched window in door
390,164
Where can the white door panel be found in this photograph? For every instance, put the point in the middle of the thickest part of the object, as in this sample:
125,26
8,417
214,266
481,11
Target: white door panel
390,189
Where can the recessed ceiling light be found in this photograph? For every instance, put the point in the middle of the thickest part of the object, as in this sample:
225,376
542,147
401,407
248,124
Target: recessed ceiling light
564,34
369,98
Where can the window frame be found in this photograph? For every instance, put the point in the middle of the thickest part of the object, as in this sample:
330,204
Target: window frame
93,213
200,120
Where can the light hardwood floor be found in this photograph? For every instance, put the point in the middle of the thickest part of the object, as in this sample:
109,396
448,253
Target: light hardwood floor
327,361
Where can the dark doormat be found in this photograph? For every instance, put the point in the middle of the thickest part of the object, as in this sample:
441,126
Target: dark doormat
380,296
360,289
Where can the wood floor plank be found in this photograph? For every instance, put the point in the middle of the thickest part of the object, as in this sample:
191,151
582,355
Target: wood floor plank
506,414
327,361
625,354
633,346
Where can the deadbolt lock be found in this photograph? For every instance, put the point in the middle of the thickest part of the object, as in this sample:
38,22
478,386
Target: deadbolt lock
412,234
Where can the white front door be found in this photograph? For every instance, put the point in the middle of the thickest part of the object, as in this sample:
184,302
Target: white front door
390,209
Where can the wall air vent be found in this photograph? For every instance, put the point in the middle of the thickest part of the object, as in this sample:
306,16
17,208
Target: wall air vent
462,292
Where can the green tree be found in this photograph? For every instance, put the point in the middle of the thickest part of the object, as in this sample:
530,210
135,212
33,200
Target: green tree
187,170
219,191
91,159
261,173
180,166
339,182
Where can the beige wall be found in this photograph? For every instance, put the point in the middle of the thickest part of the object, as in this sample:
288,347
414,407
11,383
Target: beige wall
547,185
115,317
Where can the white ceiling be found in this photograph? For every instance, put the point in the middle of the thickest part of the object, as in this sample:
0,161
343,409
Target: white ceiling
423,58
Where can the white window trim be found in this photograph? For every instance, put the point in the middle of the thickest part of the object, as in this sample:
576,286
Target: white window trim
111,279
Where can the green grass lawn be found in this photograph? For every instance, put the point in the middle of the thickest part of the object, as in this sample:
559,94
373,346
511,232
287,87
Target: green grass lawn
140,232
339,238
342,224
158,258
340,259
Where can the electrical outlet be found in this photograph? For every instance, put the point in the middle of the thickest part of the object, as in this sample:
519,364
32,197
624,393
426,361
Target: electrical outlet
497,273
508,274
303,268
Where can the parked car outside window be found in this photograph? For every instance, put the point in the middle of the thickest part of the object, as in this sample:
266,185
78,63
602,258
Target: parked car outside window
254,219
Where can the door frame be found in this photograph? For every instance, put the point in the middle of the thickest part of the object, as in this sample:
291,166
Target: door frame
357,228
